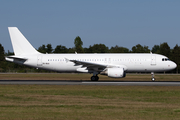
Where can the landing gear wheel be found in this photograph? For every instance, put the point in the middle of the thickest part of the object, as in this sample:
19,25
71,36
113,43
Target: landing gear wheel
153,79
94,78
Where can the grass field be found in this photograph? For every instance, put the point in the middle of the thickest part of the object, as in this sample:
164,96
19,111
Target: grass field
84,102
48,102
71,76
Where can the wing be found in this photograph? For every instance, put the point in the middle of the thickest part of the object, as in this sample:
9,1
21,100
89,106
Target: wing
94,67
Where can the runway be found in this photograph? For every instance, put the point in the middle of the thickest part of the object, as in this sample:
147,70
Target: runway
87,82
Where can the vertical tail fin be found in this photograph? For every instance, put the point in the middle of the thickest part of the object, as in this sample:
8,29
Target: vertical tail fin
21,45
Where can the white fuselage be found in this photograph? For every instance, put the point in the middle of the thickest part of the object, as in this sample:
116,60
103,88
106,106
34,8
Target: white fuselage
130,62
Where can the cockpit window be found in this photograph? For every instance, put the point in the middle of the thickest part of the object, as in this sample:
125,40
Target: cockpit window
165,59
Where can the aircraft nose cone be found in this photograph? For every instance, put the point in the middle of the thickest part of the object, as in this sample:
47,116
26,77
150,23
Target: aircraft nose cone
174,65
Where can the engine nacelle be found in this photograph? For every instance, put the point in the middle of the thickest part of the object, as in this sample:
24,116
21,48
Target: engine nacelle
116,72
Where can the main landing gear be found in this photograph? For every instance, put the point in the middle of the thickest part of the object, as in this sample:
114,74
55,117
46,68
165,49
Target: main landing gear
152,74
94,78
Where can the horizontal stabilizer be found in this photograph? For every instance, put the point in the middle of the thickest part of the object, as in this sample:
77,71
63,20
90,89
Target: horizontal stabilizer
17,57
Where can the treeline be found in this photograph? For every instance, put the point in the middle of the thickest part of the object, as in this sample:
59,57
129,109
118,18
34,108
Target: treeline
164,49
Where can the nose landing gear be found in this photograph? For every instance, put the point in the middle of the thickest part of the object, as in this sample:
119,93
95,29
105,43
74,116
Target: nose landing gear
152,74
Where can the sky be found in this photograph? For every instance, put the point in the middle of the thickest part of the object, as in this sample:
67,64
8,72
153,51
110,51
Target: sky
125,23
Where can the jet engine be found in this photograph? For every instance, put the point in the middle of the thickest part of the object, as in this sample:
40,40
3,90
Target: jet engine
115,72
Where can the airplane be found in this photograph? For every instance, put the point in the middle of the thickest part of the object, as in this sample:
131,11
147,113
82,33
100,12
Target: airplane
112,65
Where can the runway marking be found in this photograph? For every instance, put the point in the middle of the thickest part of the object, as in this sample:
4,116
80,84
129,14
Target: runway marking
120,83
136,83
